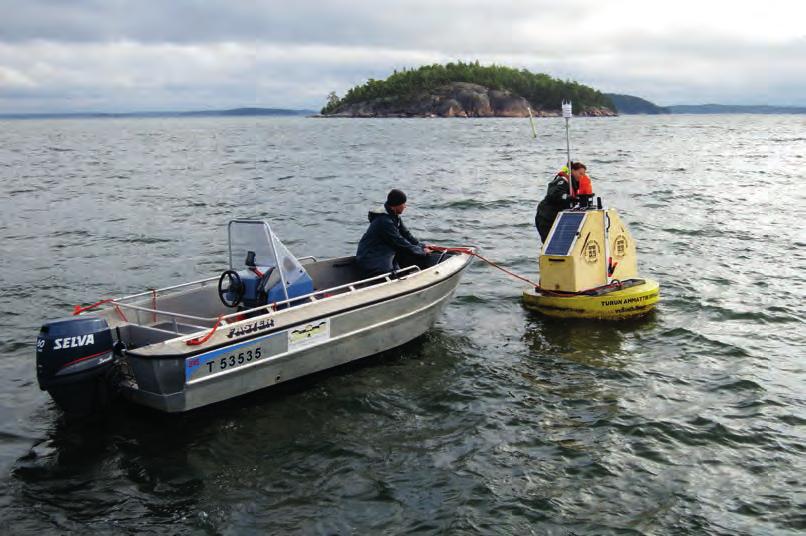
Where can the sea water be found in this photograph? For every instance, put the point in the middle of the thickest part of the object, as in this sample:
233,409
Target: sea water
497,421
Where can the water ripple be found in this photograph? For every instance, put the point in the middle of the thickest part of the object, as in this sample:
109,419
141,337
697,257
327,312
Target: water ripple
689,421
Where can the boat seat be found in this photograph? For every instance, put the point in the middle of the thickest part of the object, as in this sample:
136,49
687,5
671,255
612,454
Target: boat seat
267,284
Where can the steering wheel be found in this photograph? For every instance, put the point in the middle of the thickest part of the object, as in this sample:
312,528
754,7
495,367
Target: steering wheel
234,286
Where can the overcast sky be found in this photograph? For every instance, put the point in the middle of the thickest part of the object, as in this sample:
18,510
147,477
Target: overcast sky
128,55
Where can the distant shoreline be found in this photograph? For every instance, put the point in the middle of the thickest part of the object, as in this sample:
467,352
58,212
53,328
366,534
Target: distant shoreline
734,109
234,112
684,109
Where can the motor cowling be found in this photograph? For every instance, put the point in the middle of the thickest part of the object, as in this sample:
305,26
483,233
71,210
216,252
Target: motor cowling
75,363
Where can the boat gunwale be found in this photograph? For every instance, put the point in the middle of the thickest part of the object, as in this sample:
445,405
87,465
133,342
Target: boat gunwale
224,318
194,350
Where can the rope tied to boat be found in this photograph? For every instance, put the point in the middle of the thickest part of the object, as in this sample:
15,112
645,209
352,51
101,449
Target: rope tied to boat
201,340
472,252
78,309
120,313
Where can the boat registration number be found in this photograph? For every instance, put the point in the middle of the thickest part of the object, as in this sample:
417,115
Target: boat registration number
220,361
233,360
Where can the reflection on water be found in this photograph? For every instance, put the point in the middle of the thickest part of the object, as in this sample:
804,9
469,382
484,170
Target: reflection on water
593,343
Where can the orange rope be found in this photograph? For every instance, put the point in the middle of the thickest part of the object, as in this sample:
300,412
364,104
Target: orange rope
77,310
202,340
470,251
513,274
120,313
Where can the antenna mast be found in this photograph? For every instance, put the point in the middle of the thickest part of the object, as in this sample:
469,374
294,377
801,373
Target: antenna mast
567,115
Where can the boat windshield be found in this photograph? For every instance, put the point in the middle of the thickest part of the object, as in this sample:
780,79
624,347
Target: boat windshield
246,236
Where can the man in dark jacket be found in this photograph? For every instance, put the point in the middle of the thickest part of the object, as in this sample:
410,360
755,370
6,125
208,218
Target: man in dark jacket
558,198
388,245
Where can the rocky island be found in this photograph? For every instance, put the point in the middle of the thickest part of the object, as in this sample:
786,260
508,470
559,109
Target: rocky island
466,90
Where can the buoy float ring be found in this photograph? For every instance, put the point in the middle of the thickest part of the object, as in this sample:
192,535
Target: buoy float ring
624,303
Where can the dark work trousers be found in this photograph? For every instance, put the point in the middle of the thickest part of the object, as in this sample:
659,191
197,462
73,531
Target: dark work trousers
543,228
405,259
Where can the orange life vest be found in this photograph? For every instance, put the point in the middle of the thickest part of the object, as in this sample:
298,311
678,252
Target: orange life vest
585,187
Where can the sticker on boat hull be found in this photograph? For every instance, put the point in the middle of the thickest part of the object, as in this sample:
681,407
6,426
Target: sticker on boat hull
309,334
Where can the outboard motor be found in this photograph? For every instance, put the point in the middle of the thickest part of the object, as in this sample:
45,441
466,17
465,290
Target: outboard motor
75,363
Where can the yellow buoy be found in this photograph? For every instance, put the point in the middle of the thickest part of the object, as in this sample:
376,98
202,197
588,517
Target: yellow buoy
589,269
624,303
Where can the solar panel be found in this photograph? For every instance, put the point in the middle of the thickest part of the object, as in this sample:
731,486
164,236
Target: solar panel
565,230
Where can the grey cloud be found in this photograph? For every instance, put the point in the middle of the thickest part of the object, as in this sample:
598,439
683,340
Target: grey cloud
702,67
453,25
122,54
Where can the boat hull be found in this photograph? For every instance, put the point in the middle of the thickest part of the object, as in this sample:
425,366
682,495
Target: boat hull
619,304
287,353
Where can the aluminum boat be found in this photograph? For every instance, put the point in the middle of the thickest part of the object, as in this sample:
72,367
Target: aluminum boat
268,319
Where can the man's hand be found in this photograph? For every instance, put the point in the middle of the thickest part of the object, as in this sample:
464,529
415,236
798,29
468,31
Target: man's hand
427,248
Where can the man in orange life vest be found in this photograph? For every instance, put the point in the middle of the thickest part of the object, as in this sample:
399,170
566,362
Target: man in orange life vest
558,197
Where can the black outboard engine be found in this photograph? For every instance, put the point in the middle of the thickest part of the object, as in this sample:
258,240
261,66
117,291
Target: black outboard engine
75,363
